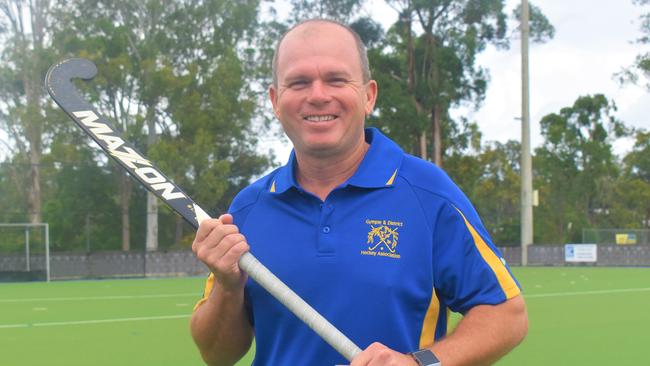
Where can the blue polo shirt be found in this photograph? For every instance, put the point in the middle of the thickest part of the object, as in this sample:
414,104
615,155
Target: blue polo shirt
384,257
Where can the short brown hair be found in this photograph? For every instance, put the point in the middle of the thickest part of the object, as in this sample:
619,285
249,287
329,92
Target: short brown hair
361,48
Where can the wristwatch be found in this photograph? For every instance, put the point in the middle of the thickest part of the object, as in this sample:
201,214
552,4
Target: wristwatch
425,357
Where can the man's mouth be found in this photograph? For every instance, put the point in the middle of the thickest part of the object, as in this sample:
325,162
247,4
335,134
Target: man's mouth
320,118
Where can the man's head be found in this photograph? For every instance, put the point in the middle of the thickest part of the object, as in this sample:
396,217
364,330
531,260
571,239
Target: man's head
361,48
321,94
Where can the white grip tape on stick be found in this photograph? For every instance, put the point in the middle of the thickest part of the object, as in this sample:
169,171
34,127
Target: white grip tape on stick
298,306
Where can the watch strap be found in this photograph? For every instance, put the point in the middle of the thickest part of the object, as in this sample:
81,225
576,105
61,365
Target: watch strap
425,357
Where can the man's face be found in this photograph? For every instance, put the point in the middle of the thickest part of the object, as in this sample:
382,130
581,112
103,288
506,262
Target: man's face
321,99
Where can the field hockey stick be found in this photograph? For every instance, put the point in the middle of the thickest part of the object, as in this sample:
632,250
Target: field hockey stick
58,83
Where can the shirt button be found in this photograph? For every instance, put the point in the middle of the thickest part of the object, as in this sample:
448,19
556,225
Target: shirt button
326,229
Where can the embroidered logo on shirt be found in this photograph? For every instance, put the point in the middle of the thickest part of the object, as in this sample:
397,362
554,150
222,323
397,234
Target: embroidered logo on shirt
383,237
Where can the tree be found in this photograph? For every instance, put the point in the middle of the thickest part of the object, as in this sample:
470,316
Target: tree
491,181
575,167
165,71
341,10
631,196
641,67
24,28
430,57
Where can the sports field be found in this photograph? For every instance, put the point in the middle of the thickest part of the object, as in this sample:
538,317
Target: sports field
578,316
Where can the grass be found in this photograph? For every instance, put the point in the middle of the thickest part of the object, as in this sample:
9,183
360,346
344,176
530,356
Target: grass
578,316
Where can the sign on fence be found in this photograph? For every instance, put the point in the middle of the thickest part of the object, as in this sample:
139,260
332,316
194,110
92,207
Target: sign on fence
580,252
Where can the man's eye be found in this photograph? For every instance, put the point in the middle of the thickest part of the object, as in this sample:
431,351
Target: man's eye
297,84
338,82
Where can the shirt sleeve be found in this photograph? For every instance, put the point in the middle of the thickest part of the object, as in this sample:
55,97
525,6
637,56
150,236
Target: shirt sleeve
468,268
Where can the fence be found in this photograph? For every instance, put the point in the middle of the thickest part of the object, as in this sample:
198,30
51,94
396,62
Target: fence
554,255
111,264
184,263
616,236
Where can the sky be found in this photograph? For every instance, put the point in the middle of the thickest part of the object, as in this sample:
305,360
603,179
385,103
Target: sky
594,39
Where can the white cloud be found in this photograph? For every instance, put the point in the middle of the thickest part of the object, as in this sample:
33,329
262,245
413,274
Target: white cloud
593,41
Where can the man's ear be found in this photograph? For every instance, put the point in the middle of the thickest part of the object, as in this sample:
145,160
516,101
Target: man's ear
273,96
371,96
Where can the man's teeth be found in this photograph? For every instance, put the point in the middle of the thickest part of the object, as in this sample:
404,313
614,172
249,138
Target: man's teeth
320,118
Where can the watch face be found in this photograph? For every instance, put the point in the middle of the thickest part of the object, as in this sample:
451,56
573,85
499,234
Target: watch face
426,358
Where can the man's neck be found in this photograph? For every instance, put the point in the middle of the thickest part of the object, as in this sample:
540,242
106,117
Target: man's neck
320,176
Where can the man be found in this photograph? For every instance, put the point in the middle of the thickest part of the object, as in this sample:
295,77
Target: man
381,243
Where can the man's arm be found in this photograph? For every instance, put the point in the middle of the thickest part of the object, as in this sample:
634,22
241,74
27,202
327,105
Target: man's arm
485,334
220,326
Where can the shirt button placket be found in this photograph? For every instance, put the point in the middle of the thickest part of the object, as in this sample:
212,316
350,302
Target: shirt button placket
325,240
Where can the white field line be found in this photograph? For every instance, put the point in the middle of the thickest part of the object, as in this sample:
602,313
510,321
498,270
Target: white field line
594,292
85,298
97,321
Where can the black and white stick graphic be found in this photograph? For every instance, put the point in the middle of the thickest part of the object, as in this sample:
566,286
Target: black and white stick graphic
58,83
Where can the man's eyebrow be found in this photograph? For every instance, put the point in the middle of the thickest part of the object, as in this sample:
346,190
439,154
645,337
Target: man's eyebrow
337,74
306,77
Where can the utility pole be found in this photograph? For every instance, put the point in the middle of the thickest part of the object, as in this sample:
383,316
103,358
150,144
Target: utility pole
526,161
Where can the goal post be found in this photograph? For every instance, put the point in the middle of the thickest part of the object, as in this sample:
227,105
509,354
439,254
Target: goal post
21,253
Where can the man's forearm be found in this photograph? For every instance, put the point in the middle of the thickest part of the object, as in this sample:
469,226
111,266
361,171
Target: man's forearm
221,329
485,334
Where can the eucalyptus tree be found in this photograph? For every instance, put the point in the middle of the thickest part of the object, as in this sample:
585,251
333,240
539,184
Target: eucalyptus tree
25,35
631,198
575,168
172,75
429,58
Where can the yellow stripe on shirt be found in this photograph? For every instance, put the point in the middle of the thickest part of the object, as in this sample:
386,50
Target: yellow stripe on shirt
507,283
209,284
427,337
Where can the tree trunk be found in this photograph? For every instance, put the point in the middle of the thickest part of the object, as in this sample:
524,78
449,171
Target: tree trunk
125,199
35,198
33,120
410,54
423,145
436,135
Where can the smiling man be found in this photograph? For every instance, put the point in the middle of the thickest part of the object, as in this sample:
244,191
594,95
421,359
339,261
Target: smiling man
381,243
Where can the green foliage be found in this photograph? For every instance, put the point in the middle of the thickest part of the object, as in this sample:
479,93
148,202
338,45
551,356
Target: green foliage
196,73
631,195
174,76
639,71
433,69
341,10
541,29
491,180
575,168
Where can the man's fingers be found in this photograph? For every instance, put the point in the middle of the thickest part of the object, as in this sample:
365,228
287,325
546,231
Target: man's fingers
378,354
218,234
226,219
205,228
226,255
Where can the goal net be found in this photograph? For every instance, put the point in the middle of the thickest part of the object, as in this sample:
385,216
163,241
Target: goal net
24,252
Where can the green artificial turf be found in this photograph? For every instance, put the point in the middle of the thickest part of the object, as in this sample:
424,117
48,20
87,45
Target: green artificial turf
578,316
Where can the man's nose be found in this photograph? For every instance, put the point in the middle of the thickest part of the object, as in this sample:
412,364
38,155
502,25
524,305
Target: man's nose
319,92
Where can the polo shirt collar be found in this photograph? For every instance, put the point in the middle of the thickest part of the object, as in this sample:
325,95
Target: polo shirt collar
378,168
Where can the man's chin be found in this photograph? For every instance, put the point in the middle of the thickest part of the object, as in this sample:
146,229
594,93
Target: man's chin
320,149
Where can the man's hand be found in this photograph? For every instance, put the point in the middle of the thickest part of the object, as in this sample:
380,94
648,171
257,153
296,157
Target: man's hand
219,244
379,355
